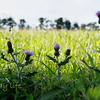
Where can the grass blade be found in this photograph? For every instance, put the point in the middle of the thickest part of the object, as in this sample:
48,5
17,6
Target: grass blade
48,68
95,51
91,60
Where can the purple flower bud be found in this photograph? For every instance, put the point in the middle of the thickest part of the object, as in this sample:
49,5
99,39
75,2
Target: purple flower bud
56,47
98,13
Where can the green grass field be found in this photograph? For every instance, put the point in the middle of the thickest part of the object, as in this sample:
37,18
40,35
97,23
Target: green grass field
77,82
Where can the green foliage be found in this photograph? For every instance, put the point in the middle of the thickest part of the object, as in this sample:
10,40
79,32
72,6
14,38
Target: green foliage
53,59
64,62
38,74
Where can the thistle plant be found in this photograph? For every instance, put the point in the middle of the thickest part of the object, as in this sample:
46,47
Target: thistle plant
56,54
19,66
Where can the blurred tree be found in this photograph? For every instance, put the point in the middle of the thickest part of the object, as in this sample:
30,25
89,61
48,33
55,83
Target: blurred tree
75,26
91,25
83,26
3,21
28,27
59,23
22,23
7,21
10,22
67,24
41,20
47,24
52,25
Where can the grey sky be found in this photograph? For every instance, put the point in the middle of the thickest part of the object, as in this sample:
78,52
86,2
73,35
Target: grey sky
81,11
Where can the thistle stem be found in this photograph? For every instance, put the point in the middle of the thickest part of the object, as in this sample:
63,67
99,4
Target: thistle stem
18,69
58,69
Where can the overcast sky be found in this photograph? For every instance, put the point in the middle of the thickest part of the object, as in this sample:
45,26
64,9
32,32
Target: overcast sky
81,11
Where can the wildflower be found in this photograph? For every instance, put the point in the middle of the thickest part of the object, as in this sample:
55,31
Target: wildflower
98,14
67,52
9,44
28,54
56,47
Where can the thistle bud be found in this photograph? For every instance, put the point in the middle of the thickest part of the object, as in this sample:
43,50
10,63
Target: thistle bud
9,44
67,52
56,47
10,50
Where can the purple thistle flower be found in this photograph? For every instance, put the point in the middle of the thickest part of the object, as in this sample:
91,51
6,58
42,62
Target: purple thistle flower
28,53
56,47
98,13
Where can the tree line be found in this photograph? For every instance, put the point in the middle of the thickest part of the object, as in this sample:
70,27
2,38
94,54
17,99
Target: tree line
44,23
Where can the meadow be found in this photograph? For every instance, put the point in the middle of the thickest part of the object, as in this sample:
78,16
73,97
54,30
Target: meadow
79,76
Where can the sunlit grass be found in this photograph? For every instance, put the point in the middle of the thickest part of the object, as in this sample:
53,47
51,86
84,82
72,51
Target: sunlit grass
41,44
